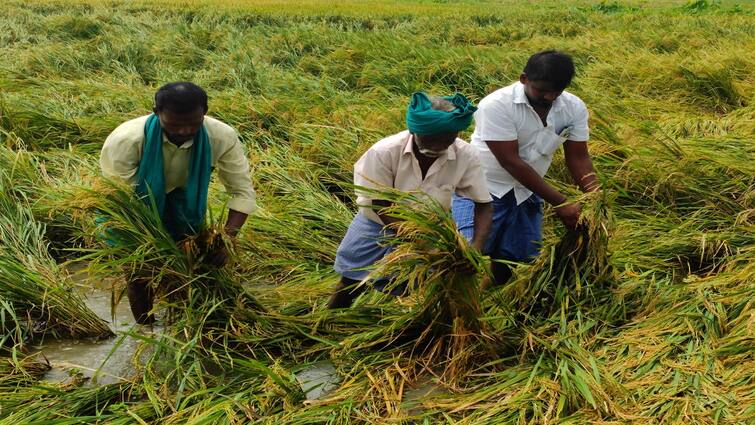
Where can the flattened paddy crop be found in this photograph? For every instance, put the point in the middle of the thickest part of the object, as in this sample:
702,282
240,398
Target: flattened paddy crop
645,315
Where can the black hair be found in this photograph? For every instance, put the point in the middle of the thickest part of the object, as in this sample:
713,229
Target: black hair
180,97
552,66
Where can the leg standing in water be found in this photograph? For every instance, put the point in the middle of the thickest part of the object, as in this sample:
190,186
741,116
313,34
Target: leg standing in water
140,298
168,157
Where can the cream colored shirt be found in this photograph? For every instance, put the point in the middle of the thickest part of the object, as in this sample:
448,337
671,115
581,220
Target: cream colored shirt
390,163
123,148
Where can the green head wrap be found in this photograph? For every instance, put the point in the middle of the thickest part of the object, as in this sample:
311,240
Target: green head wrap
422,119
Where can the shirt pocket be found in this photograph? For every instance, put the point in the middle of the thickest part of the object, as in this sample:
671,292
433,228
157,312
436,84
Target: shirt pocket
443,194
548,142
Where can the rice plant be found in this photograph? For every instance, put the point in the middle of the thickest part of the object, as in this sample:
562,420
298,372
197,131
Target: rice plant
36,294
132,239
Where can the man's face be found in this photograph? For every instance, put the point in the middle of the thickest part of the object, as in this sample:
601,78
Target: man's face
540,94
181,127
434,145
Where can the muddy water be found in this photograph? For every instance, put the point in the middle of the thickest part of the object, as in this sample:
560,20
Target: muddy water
112,356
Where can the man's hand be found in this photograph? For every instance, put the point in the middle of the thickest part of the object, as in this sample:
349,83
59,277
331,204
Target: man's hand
467,269
219,257
385,218
235,221
569,214
478,244
483,220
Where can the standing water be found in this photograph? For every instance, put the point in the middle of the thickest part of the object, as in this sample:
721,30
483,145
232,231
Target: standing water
110,358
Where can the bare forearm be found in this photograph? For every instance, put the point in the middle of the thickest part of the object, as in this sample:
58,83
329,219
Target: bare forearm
235,221
528,177
386,219
483,219
583,174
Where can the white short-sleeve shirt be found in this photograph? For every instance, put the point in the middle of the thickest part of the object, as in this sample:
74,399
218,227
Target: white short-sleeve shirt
506,115
390,163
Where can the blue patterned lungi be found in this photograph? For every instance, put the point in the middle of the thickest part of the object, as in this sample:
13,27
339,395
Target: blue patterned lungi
516,231
363,245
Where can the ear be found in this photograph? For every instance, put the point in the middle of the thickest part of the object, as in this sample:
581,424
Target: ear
523,78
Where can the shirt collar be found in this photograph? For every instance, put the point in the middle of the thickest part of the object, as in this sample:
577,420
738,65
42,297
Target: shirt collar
409,148
519,96
185,145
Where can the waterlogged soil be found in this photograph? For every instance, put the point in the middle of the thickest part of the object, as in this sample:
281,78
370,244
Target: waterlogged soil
109,360
319,380
100,361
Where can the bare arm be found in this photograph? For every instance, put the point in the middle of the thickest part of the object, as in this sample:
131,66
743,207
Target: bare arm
507,154
386,219
483,219
580,165
235,220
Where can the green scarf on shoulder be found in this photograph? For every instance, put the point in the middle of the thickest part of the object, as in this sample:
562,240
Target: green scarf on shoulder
182,210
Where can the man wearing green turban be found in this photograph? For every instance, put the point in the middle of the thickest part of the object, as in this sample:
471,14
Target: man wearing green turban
428,157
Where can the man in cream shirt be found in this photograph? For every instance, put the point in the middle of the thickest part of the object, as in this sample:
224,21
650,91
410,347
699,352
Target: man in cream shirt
427,158
180,125
517,130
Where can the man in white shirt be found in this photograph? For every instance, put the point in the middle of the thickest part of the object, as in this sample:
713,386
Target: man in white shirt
517,130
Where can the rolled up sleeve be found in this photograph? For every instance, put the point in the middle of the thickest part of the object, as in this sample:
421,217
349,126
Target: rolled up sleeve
234,173
372,171
473,184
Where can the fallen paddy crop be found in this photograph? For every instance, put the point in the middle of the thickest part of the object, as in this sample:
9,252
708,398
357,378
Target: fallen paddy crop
653,325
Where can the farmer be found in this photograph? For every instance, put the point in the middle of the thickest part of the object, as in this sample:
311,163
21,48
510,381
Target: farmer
428,157
517,130
171,154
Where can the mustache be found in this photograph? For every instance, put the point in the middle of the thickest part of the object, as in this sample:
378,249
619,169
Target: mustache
173,136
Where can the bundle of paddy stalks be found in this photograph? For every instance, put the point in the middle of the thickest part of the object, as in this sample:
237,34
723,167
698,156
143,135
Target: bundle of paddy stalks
559,309
17,371
442,328
131,238
573,274
36,295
